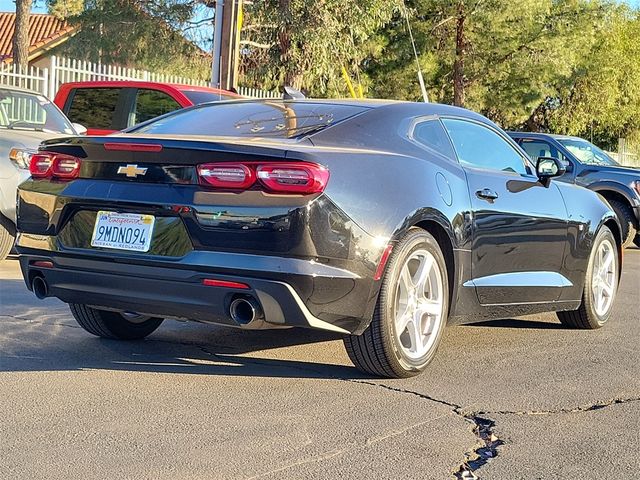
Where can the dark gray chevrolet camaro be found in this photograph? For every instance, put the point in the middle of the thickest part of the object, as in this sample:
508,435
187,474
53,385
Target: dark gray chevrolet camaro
379,220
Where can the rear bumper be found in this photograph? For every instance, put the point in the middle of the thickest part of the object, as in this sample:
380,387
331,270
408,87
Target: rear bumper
291,292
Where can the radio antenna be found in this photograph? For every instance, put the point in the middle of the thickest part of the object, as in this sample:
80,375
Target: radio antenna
423,89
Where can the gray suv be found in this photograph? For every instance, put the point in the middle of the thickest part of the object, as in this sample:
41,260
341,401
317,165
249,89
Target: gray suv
26,119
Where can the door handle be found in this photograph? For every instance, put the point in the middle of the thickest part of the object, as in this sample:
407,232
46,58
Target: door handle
486,194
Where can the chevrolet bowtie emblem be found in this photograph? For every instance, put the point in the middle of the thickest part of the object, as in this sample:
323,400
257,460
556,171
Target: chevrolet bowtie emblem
132,171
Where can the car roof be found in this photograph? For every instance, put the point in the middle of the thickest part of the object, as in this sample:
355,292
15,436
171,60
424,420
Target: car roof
413,108
367,103
147,84
18,89
376,113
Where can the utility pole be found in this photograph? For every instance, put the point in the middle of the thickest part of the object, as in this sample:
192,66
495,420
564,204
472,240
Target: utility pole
226,44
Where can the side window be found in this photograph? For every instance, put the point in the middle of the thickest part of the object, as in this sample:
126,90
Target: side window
480,147
94,107
151,104
431,133
540,148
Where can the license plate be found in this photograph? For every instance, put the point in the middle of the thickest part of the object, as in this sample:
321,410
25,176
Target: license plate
123,231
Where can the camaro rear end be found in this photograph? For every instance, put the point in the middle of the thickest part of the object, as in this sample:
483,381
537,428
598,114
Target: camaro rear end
305,214
156,229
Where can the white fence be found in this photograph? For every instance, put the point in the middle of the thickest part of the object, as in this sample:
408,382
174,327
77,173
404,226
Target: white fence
64,70
628,153
626,159
31,78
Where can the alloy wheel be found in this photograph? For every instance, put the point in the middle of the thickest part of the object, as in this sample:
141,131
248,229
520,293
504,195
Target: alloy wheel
604,276
419,304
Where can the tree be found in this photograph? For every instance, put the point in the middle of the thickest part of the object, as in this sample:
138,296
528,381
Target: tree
65,8
499,57
305,43
134,33
21,34
602,100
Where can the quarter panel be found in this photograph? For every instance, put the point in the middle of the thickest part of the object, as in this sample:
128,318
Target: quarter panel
385,194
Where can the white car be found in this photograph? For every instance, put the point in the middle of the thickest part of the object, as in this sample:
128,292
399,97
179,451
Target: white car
26,119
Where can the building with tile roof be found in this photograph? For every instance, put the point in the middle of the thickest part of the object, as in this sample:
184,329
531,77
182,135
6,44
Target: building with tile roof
45,33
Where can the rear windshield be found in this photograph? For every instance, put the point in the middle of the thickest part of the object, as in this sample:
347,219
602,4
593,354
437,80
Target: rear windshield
278,119
198,97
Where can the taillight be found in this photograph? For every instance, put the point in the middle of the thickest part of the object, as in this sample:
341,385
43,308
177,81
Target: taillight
226,175
40,165
293,177
54,165
300,178
65,166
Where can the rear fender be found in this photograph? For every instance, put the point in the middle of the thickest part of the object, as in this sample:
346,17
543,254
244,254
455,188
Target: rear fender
436,223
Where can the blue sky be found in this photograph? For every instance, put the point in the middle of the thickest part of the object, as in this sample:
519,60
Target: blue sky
199,35
10,6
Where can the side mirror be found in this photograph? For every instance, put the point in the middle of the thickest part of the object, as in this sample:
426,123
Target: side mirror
80,129
548,168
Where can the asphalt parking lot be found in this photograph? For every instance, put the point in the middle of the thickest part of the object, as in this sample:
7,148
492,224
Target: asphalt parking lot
197,401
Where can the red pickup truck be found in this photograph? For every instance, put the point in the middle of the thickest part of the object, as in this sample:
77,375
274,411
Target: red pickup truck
108,106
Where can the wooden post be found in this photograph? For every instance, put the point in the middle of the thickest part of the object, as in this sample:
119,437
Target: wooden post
230,48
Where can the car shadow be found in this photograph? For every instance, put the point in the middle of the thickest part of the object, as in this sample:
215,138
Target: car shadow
520,323
47,338
43,336
58,344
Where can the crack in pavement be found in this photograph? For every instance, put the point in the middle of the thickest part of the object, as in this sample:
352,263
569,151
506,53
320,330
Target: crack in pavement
583,408
482,452
340,451
485,449
486,446
456,408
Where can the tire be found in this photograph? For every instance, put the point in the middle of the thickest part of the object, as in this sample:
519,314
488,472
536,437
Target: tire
115,325
381,350
627,221
589,316
7,237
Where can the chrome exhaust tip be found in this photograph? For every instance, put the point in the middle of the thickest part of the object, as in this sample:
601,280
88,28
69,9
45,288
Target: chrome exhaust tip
245,310
39,287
